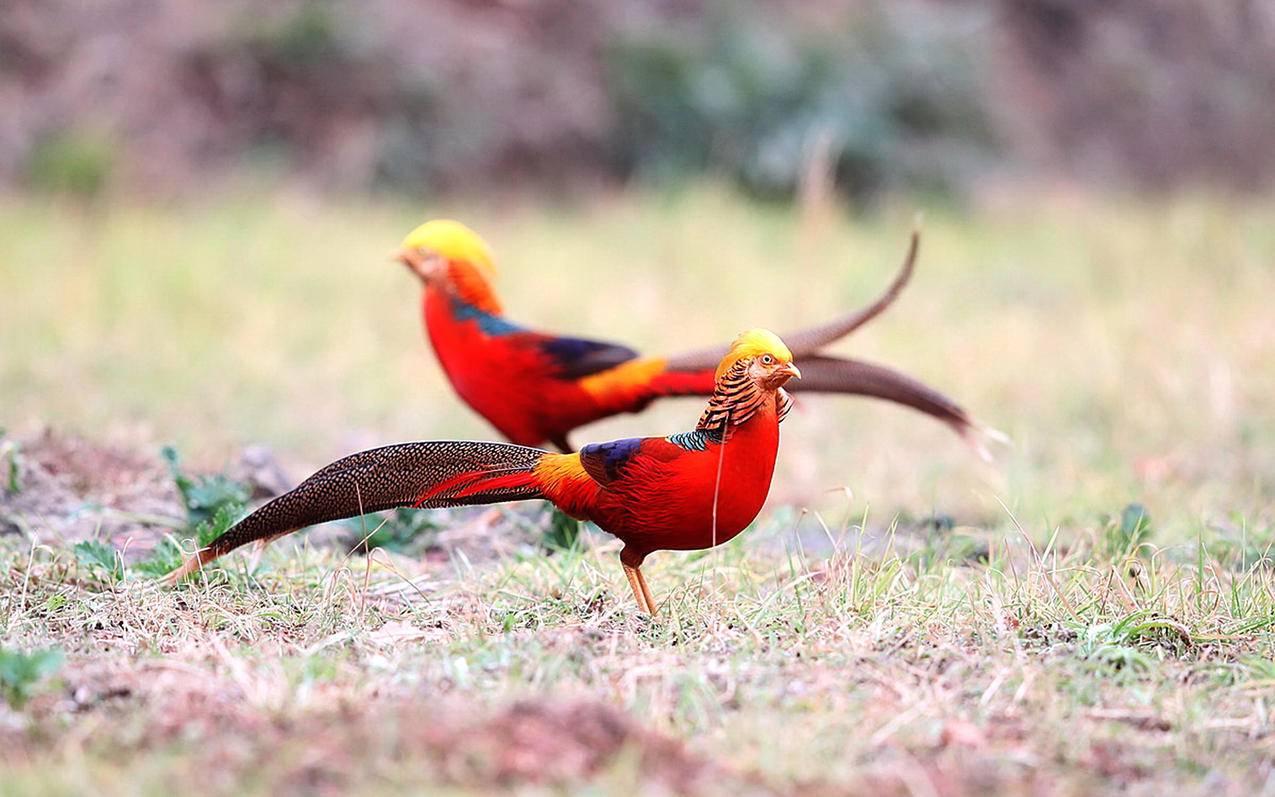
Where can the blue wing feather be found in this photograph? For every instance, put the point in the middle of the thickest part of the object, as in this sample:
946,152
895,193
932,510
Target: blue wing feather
606,461
577,357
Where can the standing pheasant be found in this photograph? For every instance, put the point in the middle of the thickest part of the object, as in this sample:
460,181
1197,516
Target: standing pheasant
686,491
535,387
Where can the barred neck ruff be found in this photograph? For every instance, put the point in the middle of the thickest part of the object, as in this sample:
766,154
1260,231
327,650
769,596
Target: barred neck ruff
736,398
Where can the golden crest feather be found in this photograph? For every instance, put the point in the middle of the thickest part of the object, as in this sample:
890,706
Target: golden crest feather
753,343
453,241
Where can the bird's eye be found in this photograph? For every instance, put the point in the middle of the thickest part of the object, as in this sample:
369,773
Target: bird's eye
766,359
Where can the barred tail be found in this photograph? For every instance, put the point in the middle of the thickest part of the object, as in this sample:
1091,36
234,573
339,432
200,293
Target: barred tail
822,374
423,474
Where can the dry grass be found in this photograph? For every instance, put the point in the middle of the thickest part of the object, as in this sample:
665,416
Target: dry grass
911,639
770,669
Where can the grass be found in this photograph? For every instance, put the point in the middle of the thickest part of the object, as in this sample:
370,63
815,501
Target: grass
1054,669
1093,613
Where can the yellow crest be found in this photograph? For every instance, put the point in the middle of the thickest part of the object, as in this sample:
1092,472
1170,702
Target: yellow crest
754,343
453,241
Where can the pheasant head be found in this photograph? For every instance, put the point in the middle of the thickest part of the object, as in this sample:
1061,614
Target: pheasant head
451,257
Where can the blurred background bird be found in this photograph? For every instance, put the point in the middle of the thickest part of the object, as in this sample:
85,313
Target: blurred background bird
536,387
687,491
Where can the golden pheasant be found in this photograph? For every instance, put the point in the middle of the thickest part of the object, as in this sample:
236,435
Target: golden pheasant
535,387
686,491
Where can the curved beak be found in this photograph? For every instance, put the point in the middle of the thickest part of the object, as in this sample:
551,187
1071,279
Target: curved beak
790,369
417,263
781,376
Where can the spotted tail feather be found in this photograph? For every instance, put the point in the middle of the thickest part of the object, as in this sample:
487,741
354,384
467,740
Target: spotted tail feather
424,474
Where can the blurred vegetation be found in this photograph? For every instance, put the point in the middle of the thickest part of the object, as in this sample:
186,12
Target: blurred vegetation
10,463
75,162
891,96
405,531
1163,94
442,96
22,672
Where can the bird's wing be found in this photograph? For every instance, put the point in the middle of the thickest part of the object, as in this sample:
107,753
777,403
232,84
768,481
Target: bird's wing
575,358
608,462
806,342
424,474
605,462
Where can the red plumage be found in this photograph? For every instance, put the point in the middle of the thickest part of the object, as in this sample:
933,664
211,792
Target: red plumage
535,387
511,378
684,492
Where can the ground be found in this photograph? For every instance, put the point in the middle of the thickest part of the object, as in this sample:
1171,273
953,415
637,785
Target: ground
1090,613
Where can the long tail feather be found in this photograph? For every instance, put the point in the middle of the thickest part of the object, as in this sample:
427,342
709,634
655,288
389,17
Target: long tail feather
423,474
806,342
823,374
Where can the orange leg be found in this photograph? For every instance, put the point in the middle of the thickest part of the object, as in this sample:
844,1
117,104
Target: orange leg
646,591
640,592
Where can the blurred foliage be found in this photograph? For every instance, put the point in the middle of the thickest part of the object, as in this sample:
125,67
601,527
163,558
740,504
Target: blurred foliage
893,96
1161,94
434,95
22,672
10,463
75,162
1122,536
405,531
561,533
308,37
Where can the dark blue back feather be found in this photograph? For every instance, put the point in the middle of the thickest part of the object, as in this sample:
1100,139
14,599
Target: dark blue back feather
605,461
577,357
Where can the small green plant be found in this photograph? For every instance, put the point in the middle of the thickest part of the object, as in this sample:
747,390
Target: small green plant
204,496
1121,646
100,559
21,673
11,460
562,532
168,554
213,504
405,531
1122,536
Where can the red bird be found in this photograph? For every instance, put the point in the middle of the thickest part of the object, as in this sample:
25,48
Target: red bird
686,491
535,387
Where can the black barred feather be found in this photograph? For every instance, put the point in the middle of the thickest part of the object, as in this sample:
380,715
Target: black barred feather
736,398
424,474
785,404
